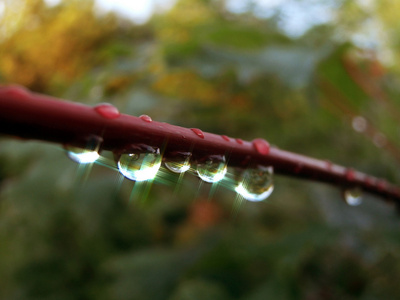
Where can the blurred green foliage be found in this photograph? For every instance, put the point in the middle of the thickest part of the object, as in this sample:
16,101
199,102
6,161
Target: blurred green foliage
79,232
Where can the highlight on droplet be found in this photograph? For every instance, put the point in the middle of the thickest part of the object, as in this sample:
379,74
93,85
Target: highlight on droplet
85,155
140,166
353,196
256,184
212,169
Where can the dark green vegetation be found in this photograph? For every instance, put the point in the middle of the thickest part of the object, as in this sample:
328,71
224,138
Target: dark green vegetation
75,232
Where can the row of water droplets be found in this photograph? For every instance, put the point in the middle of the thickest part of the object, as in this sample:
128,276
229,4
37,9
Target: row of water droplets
253,184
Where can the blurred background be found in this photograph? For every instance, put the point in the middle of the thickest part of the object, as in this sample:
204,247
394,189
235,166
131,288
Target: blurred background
316,77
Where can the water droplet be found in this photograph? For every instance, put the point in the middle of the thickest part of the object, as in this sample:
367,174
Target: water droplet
226,138
359,124
353,196
262,146
81,155
140,166
146,118
213,169
107,111
85,155
179,162
239,141
198,132
256,184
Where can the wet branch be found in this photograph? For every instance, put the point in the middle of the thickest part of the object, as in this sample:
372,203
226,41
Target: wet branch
34,116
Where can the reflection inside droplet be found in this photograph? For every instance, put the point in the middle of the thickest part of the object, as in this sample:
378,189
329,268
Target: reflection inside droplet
213,169
256,183
178,163
139,166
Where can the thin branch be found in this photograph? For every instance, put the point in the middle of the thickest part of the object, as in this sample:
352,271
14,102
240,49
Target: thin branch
35,116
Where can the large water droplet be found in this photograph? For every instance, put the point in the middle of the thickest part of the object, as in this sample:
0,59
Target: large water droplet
85,155
213,169
107,111
179,163
198,132
256,184
353,196
140,166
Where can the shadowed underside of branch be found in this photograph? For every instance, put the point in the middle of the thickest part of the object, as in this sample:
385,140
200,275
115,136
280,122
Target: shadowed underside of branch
35,116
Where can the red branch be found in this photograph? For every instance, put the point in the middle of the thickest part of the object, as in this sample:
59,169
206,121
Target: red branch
35,116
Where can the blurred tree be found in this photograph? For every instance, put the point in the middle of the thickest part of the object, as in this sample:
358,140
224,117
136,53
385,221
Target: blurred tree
43,46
